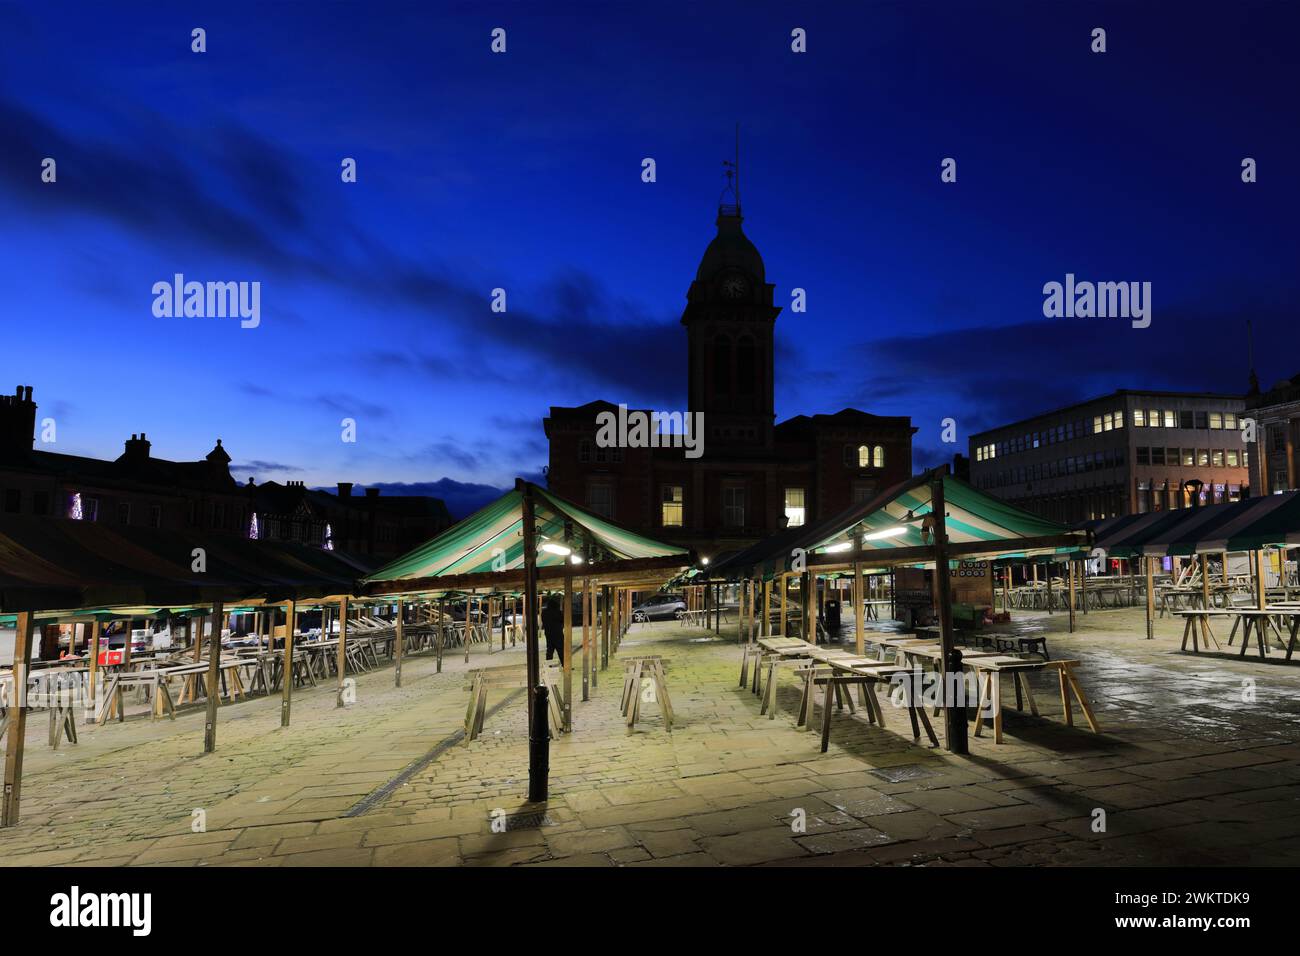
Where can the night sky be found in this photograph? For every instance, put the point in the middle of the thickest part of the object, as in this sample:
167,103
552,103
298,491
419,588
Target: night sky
523,171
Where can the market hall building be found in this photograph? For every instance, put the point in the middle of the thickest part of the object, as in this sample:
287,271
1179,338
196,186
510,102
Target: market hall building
756,475
1129,452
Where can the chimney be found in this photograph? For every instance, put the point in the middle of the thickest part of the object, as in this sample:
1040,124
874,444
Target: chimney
372,492
345,489
137,450
17,422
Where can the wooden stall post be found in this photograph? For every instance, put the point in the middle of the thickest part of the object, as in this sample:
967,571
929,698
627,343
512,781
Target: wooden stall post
539,738
343,647
1069,569
1205,598
859,635
1083,584
1049,587
214,678
785,587
765,621
568,651
17,732
1261,580
469,626
399,640
1151,596
586,638
286,672
93,690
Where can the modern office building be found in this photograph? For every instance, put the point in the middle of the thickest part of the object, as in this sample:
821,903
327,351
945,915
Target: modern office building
1128,452
1277,434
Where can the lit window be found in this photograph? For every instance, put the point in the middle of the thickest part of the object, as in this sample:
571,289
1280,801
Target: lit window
1171,418
1216,420
1119,418
1230,421
672,506
1096,424
1202,457
794,507
1189,456
1153,418
1139,418
878,456
1218,458
1233,458
864,456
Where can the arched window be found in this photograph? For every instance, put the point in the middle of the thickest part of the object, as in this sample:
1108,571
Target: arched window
722,365
878,457
864,456
745,366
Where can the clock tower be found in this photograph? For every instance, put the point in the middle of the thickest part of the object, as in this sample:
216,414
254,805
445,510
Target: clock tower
729,321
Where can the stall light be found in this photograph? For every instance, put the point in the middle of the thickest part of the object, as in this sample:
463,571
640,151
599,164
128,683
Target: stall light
885,533
556,549
575,559
841,546
704,560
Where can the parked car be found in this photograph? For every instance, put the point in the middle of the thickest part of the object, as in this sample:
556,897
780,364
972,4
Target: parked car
659,607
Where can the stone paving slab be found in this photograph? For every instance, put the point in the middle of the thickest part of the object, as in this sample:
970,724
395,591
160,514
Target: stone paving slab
1198,765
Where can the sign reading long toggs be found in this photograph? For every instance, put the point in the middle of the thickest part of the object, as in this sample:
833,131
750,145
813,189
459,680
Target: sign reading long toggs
75,909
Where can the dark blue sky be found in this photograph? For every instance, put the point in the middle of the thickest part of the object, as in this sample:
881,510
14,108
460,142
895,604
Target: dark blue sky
523,171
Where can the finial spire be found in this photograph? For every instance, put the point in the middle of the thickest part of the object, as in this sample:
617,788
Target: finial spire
732,167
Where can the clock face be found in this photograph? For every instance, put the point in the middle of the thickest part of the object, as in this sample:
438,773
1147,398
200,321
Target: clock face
735,287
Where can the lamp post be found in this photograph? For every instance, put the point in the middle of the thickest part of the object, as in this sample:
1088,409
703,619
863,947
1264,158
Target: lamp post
539,739
954,717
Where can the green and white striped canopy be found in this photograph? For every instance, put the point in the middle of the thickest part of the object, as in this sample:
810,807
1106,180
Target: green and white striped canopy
972,518
491,540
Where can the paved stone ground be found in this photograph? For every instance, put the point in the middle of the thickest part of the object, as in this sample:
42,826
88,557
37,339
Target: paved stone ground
1188,770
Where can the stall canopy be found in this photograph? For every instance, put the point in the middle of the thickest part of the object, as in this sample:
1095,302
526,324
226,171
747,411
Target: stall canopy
892,529
54,563
487,548
1271,521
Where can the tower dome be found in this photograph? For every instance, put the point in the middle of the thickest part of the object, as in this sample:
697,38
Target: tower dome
730,249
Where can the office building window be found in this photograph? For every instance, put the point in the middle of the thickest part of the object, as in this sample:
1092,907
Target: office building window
1157,456
1202,419
1230,421
1216,420
1153,418
124,512
1202,458
1216,459
671,511
1171,418
733,507
1184,419
1143,455
1189,457
794,507
584,450
1234,459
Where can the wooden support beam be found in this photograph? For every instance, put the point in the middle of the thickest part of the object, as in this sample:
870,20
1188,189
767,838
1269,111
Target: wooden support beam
1151,596
16,736
92,692
859,633
286,686
343,648
399,641
213,679
586,638
568,653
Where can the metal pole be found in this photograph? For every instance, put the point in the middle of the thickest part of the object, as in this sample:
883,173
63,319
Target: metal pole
538,736
954,718
214,677
286,670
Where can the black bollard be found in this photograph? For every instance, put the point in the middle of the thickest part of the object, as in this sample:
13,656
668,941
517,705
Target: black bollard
957,728
539,748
